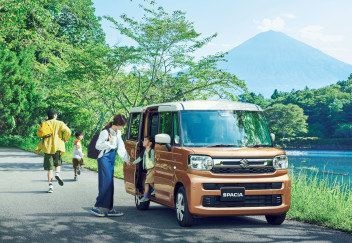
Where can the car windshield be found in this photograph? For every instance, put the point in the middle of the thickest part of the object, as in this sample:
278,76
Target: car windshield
224,129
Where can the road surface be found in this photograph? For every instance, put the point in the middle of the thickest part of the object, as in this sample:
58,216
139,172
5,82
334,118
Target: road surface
29,214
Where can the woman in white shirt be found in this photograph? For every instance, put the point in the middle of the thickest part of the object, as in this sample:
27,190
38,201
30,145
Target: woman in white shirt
108,142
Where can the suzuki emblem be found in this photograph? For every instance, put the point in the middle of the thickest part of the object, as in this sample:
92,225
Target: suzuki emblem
244,163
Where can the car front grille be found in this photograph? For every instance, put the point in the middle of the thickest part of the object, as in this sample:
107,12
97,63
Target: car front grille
243,166
250,201
233,170
247,186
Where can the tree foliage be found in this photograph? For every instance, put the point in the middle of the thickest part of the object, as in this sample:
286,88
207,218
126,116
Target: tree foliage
18,99
286,120
56,32
165,44
55,51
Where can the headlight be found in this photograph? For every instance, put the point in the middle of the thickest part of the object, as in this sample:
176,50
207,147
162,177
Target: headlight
280,162
200,162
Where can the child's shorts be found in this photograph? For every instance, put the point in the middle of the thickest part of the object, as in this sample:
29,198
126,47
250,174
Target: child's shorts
77,161
52,160
150,176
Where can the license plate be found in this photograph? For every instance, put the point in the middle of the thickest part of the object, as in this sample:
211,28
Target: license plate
232,194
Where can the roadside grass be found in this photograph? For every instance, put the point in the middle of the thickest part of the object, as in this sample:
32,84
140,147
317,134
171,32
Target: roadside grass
324,202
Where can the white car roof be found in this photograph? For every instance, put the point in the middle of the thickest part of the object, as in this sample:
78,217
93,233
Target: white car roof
201,105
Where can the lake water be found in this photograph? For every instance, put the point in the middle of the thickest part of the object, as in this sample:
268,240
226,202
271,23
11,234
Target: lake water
331,164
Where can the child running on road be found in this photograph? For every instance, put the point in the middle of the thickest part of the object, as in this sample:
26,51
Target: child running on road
148,164
77,160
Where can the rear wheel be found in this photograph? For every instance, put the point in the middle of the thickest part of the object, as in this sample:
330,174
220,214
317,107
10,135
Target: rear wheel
275,219
184,217
141,205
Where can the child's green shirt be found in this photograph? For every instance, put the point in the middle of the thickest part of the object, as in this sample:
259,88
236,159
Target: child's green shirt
148,162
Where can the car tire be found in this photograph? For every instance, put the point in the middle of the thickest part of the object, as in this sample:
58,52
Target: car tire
141,205
275,219
184,217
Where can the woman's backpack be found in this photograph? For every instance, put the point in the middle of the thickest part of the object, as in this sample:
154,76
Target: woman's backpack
93,153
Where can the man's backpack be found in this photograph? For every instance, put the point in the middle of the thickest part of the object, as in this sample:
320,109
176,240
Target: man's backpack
44,130
93,153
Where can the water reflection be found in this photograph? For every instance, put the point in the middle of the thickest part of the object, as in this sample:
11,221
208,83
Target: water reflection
334,165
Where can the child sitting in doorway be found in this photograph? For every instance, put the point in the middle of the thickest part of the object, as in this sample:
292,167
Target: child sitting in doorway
77,160
148,164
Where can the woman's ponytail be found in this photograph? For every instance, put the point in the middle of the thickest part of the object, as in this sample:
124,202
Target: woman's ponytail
109,125
119,120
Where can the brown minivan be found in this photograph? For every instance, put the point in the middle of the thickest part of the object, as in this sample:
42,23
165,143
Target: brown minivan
212,158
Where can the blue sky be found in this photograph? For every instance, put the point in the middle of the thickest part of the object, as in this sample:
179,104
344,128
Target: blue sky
325,25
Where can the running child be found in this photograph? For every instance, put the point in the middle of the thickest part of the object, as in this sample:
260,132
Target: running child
148,164
77,160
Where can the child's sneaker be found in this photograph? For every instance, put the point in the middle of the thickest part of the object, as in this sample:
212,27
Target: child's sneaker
51,190
114,213
78,170
97,212
75,178
144,199
58,178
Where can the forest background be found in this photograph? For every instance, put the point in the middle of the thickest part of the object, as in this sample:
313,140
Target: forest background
53,54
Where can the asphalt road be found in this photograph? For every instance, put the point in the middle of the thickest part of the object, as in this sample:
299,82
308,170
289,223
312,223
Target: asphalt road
29,214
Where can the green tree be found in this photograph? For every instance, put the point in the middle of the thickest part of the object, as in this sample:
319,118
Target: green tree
19,100
60,33
286,120
275,95
254,99
165,44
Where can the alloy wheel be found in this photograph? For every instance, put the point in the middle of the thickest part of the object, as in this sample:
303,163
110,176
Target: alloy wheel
180,206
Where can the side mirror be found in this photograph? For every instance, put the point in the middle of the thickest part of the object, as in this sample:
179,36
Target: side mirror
164,139
272,135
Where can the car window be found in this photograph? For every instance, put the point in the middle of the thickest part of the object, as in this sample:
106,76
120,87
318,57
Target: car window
176,134
153,124
166,123
134,126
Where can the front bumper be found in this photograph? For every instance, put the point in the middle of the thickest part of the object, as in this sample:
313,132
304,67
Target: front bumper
267,201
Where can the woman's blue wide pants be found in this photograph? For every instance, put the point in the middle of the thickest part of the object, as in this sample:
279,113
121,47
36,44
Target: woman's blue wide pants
106,164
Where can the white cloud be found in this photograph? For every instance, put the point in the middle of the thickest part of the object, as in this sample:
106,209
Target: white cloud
314,32
289,15
266,24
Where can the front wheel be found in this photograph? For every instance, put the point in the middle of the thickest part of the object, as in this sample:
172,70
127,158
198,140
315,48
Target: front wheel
275,219
184,217
141,205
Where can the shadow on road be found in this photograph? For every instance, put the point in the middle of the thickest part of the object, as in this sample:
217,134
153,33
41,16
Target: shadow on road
26,192
157,225
21,166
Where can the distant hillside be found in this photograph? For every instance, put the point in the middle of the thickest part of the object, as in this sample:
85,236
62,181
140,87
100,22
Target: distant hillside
272,60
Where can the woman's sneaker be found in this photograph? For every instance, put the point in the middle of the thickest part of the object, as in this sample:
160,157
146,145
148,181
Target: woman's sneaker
97,212
75,178
114,213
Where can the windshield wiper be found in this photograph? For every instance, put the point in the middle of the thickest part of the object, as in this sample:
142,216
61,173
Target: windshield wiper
223,145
